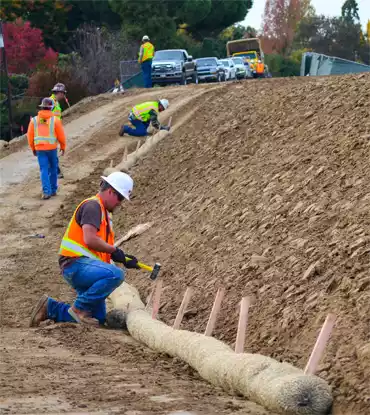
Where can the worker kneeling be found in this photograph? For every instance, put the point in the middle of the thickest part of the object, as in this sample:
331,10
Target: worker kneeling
142,115
86,252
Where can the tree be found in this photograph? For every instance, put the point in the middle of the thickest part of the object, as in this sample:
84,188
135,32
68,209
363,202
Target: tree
350,10
25,48
280,22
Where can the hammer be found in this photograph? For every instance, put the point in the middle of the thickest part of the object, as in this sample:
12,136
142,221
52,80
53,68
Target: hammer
153,270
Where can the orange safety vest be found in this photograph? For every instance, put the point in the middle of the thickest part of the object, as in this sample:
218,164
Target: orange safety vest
45,138
148,51
73,244
260,68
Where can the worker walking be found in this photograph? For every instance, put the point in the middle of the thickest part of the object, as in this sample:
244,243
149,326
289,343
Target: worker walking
146,54
58,94
142,115
85,255
44,133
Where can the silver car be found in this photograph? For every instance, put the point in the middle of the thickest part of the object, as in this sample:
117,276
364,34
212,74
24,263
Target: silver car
241,71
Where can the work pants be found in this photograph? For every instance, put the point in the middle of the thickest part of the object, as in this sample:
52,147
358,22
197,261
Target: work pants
93,281
146,68
48,162
140,130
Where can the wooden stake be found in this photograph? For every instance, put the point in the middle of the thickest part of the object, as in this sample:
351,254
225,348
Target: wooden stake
182,309
169,122
242,324
111,164
215,309
157,298
320,345
138,145
125,153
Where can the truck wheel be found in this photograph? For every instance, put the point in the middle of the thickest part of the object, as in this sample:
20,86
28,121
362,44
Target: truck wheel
184,81
195,78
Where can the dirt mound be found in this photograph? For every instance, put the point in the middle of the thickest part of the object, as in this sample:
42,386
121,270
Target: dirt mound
266,192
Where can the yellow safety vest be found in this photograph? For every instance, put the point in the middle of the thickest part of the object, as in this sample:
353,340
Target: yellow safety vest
148,51
142,111
57,110
44,133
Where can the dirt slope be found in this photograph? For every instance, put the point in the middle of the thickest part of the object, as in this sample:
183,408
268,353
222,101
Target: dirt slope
269,197
267,179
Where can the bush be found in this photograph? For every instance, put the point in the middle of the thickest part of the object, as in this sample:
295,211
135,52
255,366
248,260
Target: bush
280,66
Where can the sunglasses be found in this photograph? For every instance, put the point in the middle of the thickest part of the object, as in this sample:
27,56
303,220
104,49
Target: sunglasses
119,196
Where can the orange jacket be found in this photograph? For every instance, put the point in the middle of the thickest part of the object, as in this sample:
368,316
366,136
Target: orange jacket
73,243
43,128
260,68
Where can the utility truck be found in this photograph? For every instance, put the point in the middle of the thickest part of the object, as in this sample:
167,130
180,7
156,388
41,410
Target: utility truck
248,49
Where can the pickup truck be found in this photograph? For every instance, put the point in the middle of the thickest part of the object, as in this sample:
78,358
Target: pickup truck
173,66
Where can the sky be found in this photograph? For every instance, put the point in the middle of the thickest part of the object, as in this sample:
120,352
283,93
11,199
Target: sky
326,7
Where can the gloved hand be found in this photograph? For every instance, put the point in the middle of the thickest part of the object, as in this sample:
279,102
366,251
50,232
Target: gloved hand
118,256
131,262
165,127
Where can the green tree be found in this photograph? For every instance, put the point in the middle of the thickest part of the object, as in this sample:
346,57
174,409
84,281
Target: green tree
350,10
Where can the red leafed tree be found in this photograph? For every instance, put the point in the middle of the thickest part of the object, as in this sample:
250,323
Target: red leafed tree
280,22
25,48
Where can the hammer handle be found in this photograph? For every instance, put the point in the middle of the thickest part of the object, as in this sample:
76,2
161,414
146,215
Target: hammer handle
142,266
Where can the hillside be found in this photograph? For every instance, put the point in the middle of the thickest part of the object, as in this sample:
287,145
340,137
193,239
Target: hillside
264,191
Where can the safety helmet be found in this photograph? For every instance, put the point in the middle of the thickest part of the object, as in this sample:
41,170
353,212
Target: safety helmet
164,102
47,104
146,37
121,182
59,88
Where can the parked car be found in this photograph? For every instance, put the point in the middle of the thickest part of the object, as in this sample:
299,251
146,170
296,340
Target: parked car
209,69
229,69
173,66
241,72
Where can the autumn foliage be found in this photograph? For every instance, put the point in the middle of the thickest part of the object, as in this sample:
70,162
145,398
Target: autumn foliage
25,48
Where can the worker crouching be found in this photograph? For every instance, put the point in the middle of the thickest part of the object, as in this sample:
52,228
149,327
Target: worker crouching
142,115
44,133
85,255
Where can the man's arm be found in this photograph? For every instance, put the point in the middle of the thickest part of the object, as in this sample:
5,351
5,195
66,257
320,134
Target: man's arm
60,134
31,136
141,53
93,241
154,119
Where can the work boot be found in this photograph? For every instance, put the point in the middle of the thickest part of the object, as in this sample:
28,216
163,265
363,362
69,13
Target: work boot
45,197
60,175
54,194
122,131
39,312
82,317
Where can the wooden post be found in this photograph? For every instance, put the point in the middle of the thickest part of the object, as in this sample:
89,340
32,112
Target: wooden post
242,324
125,153
169,122
157,298
182,309
138,145
320,345
215,309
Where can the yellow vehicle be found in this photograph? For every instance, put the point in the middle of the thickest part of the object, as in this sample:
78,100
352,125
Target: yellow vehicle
248,49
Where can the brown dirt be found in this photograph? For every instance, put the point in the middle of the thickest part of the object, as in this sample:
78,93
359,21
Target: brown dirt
250,195
65,368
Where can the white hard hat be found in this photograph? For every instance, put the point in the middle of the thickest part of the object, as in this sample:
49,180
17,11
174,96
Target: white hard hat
59,88
146,37
164,102
121,182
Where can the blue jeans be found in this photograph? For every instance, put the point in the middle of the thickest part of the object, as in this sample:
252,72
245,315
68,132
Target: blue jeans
140,129
146,67
48,162
93,281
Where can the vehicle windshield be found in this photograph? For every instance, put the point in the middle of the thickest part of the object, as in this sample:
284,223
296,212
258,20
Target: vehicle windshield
238,61
168,55
225,63
248,55
206,62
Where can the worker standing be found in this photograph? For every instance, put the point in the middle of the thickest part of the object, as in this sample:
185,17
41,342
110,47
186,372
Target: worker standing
44,132
142,115
58,94
86,251
146,54
260,69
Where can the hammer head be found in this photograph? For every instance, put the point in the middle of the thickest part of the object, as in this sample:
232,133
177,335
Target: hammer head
155,271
